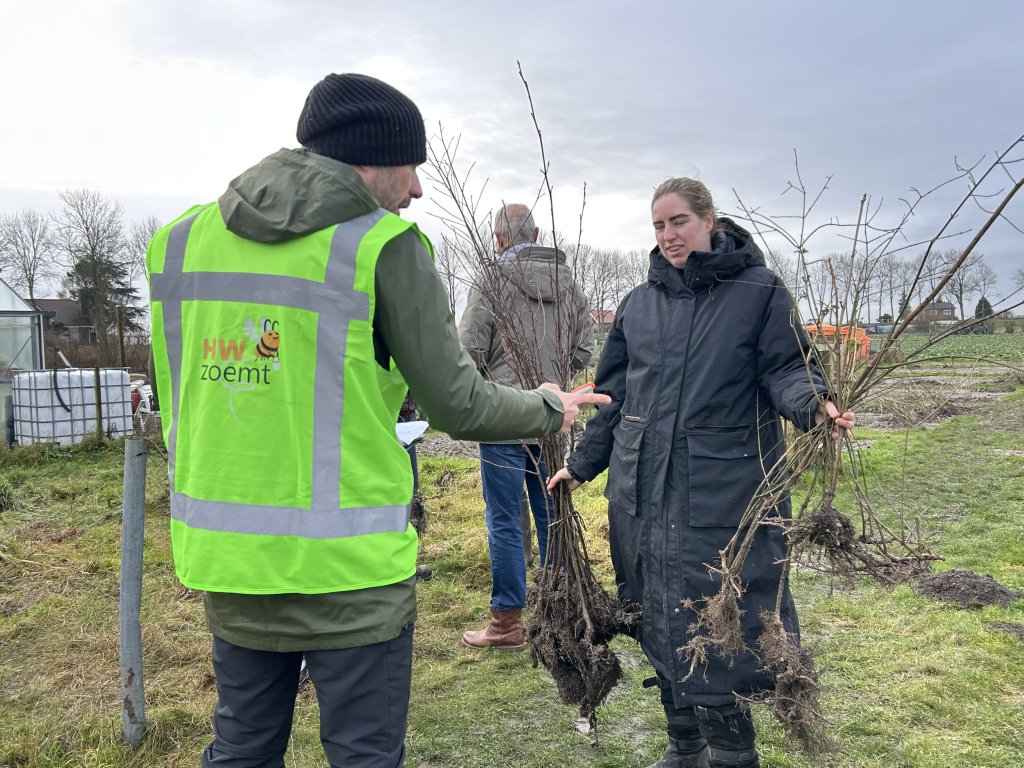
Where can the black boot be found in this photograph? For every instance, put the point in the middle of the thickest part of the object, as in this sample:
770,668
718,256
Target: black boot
729,731
679,754
687,747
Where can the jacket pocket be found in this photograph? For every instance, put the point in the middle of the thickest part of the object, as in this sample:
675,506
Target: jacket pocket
725,472
623,486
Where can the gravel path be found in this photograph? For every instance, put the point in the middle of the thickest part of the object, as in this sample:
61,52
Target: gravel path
439,444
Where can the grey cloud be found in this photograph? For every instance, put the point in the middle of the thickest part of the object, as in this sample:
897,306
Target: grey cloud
880,95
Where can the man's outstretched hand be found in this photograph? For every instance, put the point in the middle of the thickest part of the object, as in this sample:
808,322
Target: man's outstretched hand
571,402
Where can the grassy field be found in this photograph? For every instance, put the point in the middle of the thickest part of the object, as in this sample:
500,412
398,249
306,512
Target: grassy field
910,682
1002,347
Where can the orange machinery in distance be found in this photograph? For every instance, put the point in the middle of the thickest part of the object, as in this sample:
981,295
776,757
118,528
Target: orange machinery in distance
825,335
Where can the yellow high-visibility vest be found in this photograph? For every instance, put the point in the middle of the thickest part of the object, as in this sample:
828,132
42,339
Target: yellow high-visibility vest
285,471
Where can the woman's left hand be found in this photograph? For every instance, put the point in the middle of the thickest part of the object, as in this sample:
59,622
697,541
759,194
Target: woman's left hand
562,476
828,410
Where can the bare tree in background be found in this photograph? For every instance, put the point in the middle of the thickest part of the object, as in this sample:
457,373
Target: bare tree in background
27,252
967,281
637,263
888,280
784,266
452,269
596,272
853,279
1018,278
986,280
624,269
815,285
91,239
903,271
880,282
136,244
606,275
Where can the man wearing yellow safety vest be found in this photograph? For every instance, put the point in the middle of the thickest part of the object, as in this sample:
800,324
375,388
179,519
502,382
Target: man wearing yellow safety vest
289,319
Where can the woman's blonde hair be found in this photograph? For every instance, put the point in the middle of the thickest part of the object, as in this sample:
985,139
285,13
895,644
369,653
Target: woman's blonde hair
693,191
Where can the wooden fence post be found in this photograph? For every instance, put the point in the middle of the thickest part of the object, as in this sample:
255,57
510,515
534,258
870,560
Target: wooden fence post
133,715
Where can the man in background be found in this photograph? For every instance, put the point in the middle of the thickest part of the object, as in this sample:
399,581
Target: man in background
529,293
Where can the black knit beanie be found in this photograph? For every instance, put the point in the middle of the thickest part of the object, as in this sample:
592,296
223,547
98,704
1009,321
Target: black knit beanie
362,121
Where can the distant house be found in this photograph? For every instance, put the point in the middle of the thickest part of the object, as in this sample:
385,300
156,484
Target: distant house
603,319
65,321
939,311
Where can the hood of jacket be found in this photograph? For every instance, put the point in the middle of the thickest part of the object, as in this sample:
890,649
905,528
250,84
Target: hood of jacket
292,193
732,251
532,272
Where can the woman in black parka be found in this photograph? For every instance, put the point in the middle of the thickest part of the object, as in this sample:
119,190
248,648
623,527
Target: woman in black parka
700,363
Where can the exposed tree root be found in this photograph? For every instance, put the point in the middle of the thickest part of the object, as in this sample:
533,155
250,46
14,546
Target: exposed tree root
570,636
826,540
718,627
795,700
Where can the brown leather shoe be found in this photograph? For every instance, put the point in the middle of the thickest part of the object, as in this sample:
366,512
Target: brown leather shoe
504,632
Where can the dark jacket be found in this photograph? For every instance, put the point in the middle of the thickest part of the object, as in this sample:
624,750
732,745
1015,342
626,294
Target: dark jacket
699,364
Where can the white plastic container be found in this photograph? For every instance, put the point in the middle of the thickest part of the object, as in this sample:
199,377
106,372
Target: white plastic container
60,406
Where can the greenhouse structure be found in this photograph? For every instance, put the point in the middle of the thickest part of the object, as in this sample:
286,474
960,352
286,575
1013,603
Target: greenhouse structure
21,342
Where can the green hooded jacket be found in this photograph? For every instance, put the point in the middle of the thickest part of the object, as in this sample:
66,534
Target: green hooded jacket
287,195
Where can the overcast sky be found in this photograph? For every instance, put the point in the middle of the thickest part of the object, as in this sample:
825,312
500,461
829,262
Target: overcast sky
159,104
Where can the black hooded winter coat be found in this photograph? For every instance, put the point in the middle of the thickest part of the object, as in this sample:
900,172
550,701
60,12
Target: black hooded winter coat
699,363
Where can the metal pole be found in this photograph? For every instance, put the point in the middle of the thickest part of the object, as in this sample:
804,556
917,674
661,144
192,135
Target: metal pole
119,314
99,405
133,714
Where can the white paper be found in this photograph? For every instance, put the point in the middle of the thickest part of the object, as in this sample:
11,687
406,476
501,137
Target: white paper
410,431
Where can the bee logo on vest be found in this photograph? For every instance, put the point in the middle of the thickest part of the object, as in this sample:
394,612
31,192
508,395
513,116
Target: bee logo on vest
224,360
266,338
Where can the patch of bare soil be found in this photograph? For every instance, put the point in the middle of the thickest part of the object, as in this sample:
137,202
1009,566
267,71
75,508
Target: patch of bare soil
966,589
923,398
42,531
1014,630
9,608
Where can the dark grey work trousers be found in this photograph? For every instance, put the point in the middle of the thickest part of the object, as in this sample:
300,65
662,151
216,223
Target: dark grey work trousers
363,695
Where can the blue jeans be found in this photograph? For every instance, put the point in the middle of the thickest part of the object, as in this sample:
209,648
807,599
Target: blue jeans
503,469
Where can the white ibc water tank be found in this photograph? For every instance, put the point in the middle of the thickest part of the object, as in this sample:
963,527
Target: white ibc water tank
60,406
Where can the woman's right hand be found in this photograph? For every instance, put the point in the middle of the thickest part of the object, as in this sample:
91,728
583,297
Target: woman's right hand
560,476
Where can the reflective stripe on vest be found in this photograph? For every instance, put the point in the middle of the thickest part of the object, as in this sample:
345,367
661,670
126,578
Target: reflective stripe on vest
335,310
